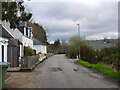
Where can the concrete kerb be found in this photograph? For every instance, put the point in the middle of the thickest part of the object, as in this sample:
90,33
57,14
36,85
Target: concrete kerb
18,69
32,68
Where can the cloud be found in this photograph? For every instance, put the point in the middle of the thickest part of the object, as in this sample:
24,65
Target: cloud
60,18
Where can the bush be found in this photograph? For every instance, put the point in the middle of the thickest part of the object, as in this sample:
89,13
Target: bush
28,51
109,56
111,59
86,53
108,51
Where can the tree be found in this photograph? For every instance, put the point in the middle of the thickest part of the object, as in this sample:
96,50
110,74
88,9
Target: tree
106,40
38,32
64,47
14,12
57,43
74,41
56,46
86,52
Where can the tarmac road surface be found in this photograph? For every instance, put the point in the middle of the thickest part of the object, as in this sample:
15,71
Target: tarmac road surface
60,72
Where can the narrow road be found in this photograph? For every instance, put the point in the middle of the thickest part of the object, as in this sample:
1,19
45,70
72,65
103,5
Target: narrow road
60,72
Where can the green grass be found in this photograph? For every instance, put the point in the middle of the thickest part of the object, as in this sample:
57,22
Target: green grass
68,56
43,59
100,68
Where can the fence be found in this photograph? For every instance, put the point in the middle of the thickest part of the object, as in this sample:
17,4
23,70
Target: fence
29,61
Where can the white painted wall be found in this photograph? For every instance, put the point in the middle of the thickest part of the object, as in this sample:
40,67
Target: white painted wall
21,51
40,48
27,41
5,48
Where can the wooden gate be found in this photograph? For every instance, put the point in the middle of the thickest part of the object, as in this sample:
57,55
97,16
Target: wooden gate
13,53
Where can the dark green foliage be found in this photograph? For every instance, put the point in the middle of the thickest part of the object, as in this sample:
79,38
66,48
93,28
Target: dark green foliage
108,56
86,52
106,40
57,43
59,47
68,56
111,58
56,47
50,48
14,13
108,51
73,52
38,32
28,51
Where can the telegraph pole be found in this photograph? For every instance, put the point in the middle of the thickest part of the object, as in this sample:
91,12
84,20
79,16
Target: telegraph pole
79,39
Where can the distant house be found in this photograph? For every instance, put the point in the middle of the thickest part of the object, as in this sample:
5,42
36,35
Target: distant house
101,45
39,46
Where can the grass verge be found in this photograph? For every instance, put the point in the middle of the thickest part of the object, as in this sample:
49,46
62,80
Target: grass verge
100,68
43,59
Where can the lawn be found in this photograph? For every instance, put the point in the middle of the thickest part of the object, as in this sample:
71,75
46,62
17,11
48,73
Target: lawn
100,68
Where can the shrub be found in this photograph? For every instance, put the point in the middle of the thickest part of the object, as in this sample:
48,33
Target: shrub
28,51
108,51
86,53
112,59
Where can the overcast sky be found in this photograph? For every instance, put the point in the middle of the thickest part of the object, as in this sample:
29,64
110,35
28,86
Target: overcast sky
97,19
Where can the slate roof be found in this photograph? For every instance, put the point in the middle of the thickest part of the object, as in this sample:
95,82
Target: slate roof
37,42
15,33
102,45
4,33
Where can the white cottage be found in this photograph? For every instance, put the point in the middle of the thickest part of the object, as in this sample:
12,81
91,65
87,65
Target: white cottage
39,46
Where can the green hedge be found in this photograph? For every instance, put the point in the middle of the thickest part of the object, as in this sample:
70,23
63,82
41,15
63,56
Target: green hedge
28,51
100,68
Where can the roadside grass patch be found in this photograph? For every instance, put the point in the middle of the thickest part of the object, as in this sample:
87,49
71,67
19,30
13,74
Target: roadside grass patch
68,56
43,59
100,68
